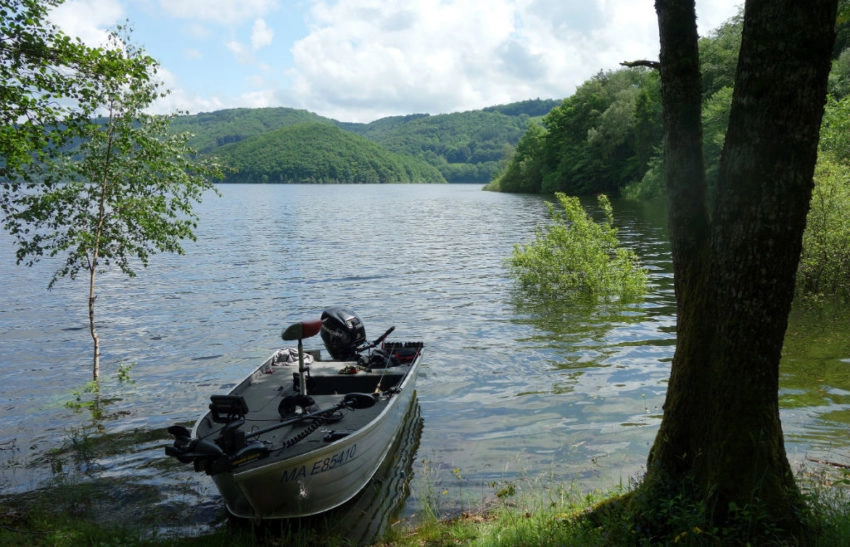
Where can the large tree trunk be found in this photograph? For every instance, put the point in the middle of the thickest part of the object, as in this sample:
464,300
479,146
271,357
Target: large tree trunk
720,443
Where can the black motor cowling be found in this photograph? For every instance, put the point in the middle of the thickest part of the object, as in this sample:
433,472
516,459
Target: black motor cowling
342,332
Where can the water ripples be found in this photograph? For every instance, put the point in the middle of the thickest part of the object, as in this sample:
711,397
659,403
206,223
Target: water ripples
507,389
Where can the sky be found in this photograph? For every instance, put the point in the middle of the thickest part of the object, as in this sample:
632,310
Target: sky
361,60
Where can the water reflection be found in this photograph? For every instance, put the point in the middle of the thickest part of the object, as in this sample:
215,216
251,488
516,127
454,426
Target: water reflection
128,480
815,383
365,518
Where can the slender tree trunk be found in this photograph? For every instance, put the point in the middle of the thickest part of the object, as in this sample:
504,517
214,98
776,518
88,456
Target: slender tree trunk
95,256
98,239
720,444
95,338
689,236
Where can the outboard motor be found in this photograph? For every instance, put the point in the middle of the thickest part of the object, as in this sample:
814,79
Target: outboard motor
342,332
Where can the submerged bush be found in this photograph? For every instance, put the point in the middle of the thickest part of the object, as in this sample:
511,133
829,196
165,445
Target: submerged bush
575,256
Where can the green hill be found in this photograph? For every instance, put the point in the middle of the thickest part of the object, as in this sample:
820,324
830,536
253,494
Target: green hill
464,147
211,130
319,153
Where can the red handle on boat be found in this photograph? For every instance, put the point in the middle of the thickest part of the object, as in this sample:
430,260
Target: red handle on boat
304,329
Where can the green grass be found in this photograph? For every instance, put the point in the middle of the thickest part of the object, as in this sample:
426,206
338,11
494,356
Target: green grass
531,512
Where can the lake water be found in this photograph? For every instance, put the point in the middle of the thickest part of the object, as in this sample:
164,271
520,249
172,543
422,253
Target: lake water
509,393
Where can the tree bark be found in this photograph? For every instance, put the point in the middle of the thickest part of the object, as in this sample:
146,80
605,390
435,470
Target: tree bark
95,371
720,444
689,235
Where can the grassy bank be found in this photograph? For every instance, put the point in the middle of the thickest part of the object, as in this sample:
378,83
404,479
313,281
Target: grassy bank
87,513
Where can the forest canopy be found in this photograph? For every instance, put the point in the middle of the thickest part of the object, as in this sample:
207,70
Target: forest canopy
319,153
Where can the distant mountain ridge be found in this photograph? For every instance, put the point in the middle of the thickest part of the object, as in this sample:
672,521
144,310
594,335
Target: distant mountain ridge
463,147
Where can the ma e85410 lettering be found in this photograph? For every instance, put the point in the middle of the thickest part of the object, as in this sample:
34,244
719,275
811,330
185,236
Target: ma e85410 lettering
320,466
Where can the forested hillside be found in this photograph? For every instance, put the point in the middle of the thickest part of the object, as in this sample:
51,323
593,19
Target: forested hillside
464,147
319,153
598,140
606,137
213,129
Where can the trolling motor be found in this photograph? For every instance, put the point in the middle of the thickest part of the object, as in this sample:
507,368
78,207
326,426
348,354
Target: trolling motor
189,450
228,450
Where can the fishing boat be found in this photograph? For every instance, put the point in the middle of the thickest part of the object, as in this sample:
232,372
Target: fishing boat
301,434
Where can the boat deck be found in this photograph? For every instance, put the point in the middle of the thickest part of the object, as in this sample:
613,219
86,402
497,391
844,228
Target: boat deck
265,389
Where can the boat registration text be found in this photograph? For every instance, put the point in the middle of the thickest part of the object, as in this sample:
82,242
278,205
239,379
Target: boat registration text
321,465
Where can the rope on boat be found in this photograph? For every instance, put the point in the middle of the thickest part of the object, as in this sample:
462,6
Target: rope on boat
319,419
290,442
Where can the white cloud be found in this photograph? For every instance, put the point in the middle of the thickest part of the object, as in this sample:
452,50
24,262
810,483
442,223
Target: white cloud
382,57
710,15
219,11
261,34
192,54
391,57
182,100
88,19
363,59
258,99
179,99
239,51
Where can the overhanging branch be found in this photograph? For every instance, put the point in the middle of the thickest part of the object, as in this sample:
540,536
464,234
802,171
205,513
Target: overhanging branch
655,65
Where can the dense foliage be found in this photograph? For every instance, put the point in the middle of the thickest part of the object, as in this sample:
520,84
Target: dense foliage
43,72
597,140
825,260
575,256
319,153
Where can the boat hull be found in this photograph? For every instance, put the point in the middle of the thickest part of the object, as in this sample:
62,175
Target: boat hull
322,479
